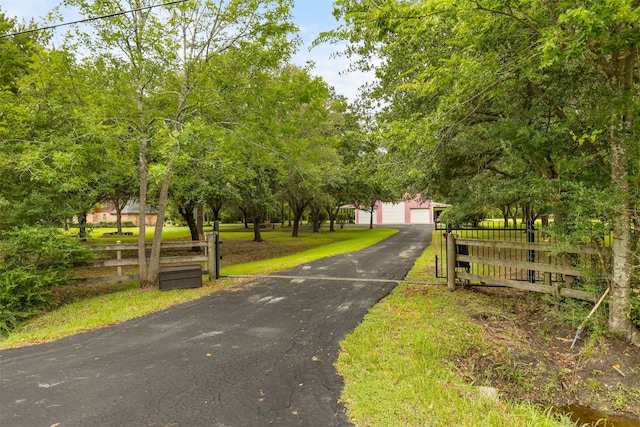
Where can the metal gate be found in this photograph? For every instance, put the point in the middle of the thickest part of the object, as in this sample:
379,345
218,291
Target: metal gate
489,230
521,257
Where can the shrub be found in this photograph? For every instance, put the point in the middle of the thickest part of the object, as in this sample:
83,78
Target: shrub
22,293
34,259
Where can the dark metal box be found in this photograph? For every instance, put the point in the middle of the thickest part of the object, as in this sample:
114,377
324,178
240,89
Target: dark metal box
180,277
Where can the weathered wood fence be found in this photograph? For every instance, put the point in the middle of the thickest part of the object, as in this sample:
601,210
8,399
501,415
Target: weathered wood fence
492,262
121,267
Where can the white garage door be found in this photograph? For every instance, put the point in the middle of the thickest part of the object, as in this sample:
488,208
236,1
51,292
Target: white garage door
420,216
393,213
364,217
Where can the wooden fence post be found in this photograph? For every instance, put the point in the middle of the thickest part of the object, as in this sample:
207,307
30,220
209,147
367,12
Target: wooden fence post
451,262
211,252
547,278
216,231
119,257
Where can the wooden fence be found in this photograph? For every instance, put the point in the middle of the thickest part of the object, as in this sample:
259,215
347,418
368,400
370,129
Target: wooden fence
121,269
483,262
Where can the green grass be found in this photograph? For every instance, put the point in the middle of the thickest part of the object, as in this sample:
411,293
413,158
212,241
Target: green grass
348,240
227,231
169,232
117,303
306,237
399,365
424,268
127,302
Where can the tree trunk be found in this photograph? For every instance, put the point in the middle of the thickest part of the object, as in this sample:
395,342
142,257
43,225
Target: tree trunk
373,209
545,221
82,230
620,295
215,208
142,253
298,210
257,235
514,217
186,212
505,216
119,206
622,133
245,217
200,221
315,217
151,281
332,216
296,224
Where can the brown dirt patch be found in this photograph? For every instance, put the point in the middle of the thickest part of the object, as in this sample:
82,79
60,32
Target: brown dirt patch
531,359
237,251
234,251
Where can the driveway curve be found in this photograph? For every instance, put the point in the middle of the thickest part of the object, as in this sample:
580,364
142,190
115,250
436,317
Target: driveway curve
258,355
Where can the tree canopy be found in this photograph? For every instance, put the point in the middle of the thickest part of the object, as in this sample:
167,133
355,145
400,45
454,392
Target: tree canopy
513,103
180,107
522,106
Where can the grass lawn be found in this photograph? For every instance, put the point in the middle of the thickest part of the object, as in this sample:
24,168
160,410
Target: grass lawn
292,252
81,308
400,365
169,232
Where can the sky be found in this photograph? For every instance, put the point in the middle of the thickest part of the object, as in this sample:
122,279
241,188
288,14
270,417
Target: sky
311,16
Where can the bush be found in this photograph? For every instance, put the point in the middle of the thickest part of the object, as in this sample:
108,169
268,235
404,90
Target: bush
22,294
34,259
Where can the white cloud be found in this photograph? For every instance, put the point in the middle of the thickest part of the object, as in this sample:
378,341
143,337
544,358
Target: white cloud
334,69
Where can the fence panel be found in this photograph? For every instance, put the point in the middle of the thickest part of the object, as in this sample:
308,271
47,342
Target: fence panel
513,257
490,230
123,257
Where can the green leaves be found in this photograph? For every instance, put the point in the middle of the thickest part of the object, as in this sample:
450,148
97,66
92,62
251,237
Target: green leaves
34,259
513,103
495,89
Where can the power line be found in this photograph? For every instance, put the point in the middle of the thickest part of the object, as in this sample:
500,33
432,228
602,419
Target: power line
95,18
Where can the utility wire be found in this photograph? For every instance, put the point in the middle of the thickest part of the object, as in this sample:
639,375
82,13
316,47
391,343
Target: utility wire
82,21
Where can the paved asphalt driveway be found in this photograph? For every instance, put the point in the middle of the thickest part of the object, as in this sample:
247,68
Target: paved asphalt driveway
259,355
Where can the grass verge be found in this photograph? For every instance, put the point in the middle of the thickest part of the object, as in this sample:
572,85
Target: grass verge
114,303
399,364
349,241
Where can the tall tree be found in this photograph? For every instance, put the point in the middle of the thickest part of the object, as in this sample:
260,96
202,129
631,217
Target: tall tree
16,51
55,148
353,146
165,54
533,98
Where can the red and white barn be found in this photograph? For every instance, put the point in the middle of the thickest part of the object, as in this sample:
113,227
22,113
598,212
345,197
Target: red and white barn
407,212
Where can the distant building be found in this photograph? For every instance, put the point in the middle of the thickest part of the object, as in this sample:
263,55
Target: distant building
413,211
130,212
